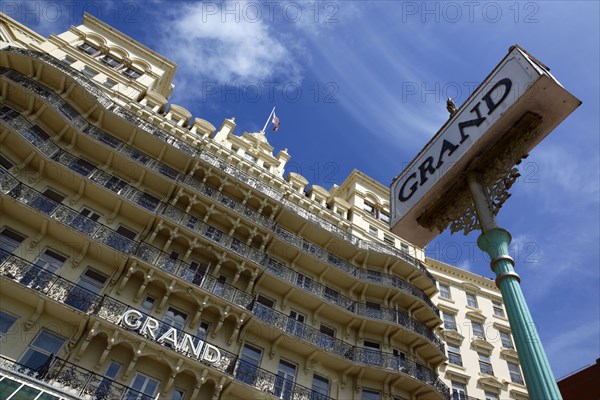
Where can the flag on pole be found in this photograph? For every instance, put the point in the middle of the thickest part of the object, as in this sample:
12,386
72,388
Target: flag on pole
275,122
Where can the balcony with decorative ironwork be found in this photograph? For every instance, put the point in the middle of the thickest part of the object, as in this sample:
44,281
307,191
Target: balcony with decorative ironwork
48,283
37,137
229,363
76,297
103,234
72,380
343,349
207,157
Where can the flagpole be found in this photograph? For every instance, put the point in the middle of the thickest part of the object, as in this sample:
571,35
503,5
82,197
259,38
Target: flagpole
268,119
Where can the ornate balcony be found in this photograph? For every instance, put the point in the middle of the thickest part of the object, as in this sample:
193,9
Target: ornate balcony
61,213
55,287
74,380
103,234
176,142
194,274
148,201
111,310
346,350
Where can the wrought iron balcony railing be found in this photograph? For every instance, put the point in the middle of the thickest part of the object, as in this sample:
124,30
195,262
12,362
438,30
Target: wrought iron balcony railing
103,234
64,291
39,138
195,274
76,381
343,349
36,135
207,157
97,231
48,283
229,363
61,213
107,308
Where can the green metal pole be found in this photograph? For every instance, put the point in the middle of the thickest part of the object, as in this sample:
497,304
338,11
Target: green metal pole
540,381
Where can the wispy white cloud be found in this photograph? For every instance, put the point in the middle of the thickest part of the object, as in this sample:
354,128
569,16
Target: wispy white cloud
212,44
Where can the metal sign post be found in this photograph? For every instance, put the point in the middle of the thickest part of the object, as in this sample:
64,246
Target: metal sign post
495,241
462,176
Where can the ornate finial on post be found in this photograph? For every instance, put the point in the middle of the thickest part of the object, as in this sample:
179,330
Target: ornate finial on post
451,107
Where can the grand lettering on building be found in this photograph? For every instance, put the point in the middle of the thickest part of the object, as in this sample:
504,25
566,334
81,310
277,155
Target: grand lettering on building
163,334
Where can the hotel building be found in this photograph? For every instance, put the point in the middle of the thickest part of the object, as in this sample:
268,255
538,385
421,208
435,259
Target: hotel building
147,254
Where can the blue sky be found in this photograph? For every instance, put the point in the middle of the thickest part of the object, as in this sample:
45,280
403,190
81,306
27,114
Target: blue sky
363,84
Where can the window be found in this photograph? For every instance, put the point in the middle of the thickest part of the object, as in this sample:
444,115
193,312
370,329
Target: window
9,241
327,339
459,391
17,390
320,388
373,309
368,207
477,330
194,273
485,364
304,281
41,348
132,73
47,264
148,305
373,231
109,83
54,195
177,394
506,340
5,162
103,390
371,353
295,324
86,292
491,396
89,49
263,308
250,157
389,239
86,212
385,217
472,300
454,356
203,330
144,384
498,309
128,233
444,291
247,370
174,318
369,395
404,247
110,61
515,372
86,221
284,381
449,322
87,71
69,60
6,322
113,370
331,294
